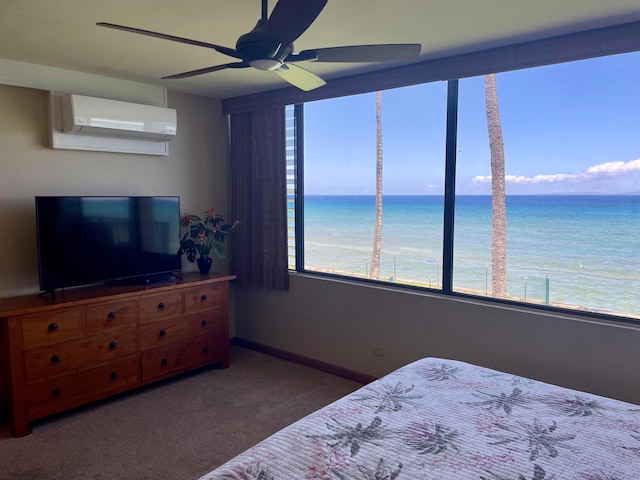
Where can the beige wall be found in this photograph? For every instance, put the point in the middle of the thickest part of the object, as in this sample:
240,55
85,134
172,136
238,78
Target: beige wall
338,322
195,169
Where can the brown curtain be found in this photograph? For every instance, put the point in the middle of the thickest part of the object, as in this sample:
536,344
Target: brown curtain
259,256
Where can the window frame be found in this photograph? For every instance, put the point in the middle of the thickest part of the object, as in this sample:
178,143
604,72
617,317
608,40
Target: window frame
448,225
580,45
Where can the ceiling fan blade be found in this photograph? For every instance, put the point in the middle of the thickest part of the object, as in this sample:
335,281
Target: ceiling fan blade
299,77
367,53
202,71
225,50
291,18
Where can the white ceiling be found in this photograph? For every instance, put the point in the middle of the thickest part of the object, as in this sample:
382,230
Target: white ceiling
63,34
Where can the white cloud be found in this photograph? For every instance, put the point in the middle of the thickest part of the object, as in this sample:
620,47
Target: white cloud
517,179
613,168
608,169
481,179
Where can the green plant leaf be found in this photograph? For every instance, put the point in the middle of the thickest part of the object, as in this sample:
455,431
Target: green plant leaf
219,249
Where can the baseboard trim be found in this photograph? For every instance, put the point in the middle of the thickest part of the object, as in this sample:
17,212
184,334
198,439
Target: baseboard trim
306,361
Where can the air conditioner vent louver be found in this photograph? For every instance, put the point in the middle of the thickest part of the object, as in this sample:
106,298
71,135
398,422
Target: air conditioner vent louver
101,116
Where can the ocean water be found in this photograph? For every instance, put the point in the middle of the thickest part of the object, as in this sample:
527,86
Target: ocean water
587,248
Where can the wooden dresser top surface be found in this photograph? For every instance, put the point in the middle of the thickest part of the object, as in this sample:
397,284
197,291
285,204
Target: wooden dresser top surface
104,292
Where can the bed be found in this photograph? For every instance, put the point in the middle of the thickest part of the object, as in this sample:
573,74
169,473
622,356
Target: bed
438,419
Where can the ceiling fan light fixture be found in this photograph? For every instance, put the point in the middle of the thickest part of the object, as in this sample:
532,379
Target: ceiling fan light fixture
265,64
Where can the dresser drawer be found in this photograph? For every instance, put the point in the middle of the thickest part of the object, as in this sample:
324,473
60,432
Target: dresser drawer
52,327
164,332
69,391
54,360
159,306
202,298
165,361
115,315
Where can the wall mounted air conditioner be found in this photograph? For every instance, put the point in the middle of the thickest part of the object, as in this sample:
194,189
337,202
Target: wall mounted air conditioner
114,118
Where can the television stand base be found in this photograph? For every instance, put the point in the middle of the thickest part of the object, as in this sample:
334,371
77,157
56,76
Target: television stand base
159,278
51,292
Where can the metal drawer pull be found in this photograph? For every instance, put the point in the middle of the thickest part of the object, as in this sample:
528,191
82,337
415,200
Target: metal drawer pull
113,345
203,323
205,349
161,306
162,333
56,392
55,358
203,297
163,362
113,375
111,315
53,327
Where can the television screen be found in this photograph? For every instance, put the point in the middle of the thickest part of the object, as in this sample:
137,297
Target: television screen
85,240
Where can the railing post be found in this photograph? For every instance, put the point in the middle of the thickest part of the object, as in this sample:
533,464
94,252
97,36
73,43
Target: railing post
546,282
395,277
486,280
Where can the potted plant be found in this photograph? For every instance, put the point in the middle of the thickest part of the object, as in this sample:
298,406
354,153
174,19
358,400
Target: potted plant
203,235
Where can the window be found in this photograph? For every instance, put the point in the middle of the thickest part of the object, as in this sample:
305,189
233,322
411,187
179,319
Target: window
572,175
572,184
290,146
340,161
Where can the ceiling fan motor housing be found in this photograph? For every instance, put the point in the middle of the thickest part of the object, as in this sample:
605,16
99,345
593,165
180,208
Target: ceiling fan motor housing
255,45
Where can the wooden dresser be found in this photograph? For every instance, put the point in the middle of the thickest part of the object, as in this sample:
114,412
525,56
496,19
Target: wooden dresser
91,343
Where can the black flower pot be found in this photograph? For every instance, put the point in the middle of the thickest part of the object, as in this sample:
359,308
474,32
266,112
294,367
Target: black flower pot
204,265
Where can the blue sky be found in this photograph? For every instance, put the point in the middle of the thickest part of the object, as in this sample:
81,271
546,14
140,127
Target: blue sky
569,128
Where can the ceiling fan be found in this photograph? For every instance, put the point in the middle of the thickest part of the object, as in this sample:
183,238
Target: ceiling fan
269,46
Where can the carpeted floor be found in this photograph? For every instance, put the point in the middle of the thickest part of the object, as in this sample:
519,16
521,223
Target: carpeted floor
178,429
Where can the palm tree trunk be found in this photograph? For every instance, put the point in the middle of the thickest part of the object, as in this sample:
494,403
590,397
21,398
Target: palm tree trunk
377,231
498,191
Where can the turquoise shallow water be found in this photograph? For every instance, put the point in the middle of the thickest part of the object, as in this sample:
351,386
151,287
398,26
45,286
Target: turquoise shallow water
587,246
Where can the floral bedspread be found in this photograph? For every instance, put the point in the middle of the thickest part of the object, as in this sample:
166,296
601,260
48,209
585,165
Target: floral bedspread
438,419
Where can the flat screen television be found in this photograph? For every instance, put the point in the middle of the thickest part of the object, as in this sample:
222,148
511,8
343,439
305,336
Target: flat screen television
83,240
